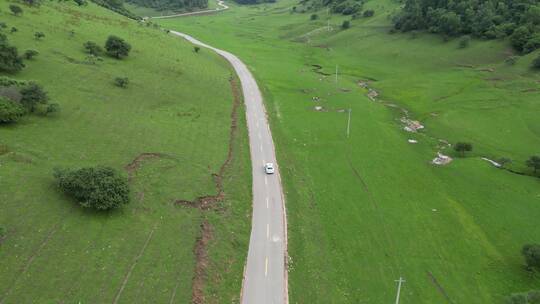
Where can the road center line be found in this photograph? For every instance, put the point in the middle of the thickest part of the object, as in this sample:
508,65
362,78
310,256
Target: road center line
265,180
267,231
267,202
266,267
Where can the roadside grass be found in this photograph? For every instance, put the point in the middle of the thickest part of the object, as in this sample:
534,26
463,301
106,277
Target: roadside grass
370,208
178,104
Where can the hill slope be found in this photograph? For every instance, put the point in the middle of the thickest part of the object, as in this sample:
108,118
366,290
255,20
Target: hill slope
170,130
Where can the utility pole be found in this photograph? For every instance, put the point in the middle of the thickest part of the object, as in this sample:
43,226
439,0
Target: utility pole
349,123
401,280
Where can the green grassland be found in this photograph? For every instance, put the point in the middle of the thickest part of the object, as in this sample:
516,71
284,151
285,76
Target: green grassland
178,104
367,209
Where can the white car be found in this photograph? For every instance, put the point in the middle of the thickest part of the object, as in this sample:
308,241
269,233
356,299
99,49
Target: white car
269,168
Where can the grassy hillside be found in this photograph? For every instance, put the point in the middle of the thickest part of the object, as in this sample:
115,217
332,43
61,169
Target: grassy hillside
366,209
169,130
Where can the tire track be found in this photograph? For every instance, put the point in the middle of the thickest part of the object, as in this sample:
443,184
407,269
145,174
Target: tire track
133,264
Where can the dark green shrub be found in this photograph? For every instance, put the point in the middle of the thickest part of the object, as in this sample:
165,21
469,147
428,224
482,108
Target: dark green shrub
121,82
32,95
117,47
39,35
534,163
368,13
81,2
196,49
511,60
13,30
10,111
100,188
16,10
346,24
29,54
92,48
314,17
531,253
10,61
463,147
464,42
536,63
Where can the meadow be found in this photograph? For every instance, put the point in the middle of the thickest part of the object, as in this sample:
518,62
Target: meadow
368,208
169,131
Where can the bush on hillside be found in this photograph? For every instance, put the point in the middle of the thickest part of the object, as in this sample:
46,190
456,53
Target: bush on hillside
33,95
92,48
346,24
464,42
463,147
39,35
32,2
531,253
196,49
531,297
29,54
100,188
81,2
10,61
13,30
368,13
10,111
121,82
15,10
117,47
536,62
534,163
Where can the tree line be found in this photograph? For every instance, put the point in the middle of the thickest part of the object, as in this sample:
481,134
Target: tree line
517,19
172,5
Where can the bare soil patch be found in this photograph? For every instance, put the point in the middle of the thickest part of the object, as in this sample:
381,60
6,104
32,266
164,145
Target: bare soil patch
201,255
135,164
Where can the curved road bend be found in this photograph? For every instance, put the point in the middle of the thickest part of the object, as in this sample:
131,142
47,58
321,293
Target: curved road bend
265,275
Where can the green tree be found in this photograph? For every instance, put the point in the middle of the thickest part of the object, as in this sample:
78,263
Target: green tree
196,49
463,147
117,47
16,10
32,95
531,253
9,57
101,188
520,37
533,162
10,111
346,24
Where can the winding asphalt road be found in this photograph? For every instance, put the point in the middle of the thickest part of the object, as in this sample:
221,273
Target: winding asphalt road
265,275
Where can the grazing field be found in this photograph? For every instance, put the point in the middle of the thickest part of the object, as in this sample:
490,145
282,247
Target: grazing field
170,131
368,208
